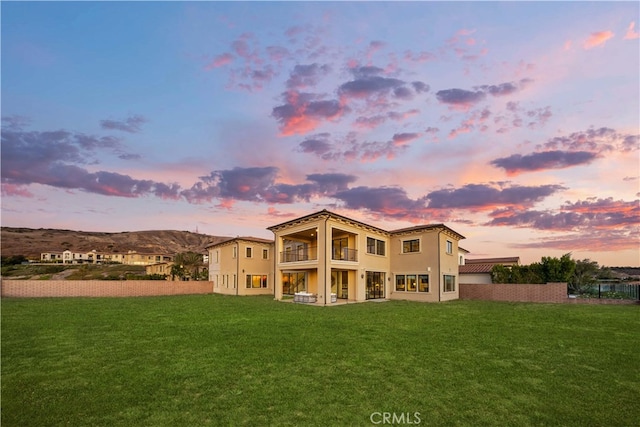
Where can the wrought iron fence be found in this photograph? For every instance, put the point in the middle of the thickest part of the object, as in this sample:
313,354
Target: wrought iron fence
345,254
610,290
307,253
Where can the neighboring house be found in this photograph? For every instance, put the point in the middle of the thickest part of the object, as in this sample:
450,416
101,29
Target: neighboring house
51,257
462,255
162,268
135,258
242,266
119,258
94,257
336,258
478,271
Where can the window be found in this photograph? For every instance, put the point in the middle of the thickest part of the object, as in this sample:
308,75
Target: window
449,247
265,254
412,282
235,252
256,281
409,246
249,252
375,246
423,283
449,283
371,245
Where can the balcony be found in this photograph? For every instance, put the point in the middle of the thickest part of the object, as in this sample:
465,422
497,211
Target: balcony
344,254
308,253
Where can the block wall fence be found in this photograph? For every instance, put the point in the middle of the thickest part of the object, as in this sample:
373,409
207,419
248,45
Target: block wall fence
101,288
549,293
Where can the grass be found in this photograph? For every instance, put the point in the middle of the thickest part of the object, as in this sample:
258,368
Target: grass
216,360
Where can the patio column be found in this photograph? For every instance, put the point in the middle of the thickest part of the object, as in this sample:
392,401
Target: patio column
324,263
277,272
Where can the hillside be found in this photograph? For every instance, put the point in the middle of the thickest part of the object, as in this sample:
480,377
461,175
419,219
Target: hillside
32,242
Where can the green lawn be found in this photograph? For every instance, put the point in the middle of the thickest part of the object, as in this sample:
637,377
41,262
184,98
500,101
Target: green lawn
215,360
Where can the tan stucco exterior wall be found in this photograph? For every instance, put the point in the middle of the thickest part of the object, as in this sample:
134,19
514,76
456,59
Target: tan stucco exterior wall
432,259
229,267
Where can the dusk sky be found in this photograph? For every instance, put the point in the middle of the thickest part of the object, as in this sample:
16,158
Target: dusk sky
516,124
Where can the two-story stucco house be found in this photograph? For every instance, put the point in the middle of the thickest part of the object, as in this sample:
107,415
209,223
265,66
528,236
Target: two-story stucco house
242,266
334,258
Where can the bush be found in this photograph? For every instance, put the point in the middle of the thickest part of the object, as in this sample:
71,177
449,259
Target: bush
13,260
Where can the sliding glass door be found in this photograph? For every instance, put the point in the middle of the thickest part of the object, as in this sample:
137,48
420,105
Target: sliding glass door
340,283
294,282
375,284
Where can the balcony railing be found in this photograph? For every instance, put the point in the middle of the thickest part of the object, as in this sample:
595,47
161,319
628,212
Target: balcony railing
345,254
309,253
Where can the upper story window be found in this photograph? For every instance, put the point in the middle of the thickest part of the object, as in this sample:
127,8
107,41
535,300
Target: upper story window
449,247
249,252
235,252
375,246
409,246
265,254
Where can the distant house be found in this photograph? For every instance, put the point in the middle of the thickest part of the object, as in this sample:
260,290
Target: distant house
161,268
327,257
135,258
478,271
51,257
95,257
462,255
242,266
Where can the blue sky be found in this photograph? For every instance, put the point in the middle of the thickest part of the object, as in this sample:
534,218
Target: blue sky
516,124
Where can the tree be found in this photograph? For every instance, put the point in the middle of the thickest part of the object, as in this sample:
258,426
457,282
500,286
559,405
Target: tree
14,260
190,264
549,269
177,270
501,274
557,270
585,275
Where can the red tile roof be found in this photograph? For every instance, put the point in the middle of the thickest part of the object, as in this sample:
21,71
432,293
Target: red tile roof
475,268
484,265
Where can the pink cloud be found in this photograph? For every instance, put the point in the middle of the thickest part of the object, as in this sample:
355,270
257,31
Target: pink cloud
374,47
15,190
419,57
465,32
219,61
400,139
597,39
631,33
303,112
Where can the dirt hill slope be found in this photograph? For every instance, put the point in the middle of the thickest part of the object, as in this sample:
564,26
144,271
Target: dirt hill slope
32,242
